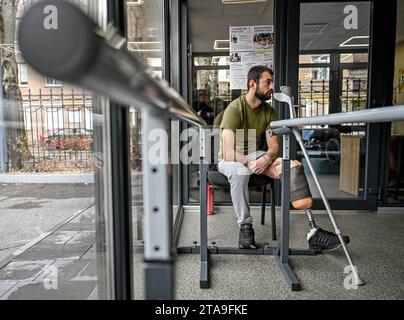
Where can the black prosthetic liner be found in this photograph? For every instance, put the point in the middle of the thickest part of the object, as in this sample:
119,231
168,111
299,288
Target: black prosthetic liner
299,188
58,40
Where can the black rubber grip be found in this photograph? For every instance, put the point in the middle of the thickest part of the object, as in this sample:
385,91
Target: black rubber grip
279,131
58,40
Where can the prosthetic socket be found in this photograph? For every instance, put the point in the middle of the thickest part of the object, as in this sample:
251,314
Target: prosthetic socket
300,195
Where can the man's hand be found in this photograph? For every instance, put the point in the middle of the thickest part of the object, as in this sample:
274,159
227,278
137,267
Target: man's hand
258,166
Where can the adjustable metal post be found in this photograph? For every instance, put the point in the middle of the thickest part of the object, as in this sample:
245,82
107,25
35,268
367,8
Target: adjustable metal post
203,170
158,257
272,190
283,253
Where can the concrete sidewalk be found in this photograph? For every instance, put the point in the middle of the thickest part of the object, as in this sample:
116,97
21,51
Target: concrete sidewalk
46,228
48,178
61,266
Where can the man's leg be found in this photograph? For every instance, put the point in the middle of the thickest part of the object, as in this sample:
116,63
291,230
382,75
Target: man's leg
300,195
238,176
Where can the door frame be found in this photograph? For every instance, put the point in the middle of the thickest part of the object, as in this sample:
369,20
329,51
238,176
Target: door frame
380,83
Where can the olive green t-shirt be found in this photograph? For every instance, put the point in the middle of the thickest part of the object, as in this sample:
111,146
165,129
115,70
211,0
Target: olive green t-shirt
248,124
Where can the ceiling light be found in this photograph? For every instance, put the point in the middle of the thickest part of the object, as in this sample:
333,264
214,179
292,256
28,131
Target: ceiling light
134,3
357,44
346,57
144,46
241,1
221,45
320,59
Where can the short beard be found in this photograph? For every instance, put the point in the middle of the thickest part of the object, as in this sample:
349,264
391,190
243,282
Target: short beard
262,96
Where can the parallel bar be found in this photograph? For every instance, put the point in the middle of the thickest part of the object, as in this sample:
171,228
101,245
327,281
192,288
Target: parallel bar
384,114
233,250
289,275
284,244
273,222
158,255
302,252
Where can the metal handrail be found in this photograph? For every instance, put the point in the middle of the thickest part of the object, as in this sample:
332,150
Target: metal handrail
384,114
74,51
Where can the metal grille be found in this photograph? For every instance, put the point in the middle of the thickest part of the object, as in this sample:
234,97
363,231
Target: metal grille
59,128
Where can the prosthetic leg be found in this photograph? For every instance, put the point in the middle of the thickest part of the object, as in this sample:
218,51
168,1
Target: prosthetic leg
301,199
300,195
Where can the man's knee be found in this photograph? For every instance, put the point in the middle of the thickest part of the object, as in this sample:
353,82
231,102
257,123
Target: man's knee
240,175
234,169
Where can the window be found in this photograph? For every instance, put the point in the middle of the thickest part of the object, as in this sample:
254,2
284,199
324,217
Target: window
74,119
23,74
314,58
54,118
52,82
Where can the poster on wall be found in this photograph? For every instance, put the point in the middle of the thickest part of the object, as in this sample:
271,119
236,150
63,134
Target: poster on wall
249,46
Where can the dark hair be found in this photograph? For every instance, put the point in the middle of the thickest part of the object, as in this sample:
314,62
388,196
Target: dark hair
255,74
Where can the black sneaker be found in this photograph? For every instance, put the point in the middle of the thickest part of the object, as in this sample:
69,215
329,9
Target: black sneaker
246,237
320,239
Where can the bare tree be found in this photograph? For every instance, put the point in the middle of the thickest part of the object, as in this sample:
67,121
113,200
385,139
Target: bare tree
14,113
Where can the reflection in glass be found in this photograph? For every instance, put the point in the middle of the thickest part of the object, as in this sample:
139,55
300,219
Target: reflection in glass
314,58
337,152
49,219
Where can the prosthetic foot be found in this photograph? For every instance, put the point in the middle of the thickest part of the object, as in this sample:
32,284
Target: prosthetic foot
300,197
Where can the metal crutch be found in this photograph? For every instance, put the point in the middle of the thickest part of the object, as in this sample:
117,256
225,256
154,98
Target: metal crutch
286,96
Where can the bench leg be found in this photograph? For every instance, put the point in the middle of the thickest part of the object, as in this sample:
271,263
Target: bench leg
263,205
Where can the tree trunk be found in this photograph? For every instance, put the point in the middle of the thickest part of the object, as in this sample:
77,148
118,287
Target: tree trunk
14,112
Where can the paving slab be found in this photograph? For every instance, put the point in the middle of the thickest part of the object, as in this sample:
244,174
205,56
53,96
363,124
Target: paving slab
49,251
6,285
70,270
24,270
38,290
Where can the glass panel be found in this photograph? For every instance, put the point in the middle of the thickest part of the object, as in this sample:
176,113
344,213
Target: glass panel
145,41
23,73
354,89
314,91
396,175
145,33
354,57
314,58
47,182
212,61
52,82
337,152
212,94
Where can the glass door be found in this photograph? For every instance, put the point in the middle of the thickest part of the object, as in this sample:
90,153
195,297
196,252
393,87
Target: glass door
332,45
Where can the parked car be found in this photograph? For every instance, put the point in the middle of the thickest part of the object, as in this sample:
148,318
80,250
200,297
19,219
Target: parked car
68,139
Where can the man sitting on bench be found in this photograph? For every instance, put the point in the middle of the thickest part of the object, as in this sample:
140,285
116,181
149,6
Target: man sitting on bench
244,121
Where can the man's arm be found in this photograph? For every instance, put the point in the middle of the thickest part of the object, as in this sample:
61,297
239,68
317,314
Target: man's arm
273,148
229,149
260,165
